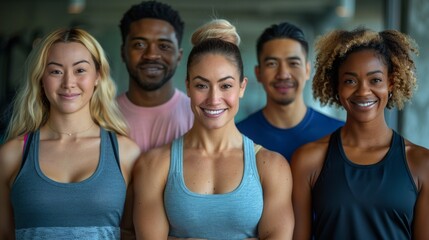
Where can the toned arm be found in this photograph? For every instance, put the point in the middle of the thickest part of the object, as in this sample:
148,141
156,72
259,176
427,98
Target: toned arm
10,162
418,160
306,165
150,176
128,154
277,219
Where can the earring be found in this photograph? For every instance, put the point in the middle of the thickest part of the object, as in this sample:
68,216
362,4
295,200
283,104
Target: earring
390,95
336,97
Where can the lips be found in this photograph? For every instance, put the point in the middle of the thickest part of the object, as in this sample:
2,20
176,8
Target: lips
213,112
69,96
365,104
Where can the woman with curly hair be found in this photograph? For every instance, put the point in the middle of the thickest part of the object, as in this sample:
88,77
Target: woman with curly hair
67,162
364,181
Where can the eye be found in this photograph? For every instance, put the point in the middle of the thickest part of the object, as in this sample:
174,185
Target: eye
295,63
377,80
55,72
200,86
271,64
226,86
139,45
165,46
81,70
349,81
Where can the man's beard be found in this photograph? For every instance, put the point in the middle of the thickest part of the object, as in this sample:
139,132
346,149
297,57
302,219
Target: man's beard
151,86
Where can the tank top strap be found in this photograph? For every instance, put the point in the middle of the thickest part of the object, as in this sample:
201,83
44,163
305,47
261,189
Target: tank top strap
250,166
176,157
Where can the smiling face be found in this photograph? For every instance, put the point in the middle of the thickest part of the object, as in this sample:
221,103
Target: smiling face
283,70
364,86
151,53
214,87
69,78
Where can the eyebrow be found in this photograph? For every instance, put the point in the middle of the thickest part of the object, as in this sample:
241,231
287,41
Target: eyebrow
207,80
145,39
288,58
74,64
368,74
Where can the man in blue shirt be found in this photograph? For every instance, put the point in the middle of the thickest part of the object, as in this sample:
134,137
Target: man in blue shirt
285,123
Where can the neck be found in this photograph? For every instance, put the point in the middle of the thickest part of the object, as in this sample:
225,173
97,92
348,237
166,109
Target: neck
285,116
144,98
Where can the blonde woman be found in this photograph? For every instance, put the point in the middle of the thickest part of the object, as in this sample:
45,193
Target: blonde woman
67,162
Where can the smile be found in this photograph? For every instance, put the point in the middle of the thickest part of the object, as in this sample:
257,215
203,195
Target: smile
214,112
365,104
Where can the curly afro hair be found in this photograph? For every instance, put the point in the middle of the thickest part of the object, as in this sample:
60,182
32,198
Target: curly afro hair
394,48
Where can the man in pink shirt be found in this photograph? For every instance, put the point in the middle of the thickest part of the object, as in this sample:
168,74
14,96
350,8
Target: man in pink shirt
155,110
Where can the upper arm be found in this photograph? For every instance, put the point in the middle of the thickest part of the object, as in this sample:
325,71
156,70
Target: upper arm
418,159
150,176
306,164
277,219
129,152
10,162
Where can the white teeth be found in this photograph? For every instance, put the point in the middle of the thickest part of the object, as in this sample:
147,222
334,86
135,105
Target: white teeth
213,112
366,104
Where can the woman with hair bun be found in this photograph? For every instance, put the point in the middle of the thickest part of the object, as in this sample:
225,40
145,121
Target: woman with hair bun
213,182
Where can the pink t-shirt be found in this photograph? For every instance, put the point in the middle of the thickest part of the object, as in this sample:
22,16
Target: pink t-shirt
152,127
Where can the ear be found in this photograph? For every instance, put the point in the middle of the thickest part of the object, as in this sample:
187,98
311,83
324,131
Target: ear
307,70
122,53
187,87
257,72
243,85
180,55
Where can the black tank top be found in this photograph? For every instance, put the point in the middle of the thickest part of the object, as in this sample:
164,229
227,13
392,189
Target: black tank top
365,202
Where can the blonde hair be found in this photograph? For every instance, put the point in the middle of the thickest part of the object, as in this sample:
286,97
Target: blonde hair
31,106
216,28
394,48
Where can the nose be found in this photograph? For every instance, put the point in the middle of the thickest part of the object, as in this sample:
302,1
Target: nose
363,88
152,52
213,97
69,80
283,71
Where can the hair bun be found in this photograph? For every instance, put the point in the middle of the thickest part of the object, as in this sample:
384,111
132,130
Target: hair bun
216,28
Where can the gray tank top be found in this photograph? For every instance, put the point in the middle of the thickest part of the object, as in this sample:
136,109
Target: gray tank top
90,209
233,215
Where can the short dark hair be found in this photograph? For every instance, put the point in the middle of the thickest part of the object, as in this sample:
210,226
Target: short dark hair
152,9
279,31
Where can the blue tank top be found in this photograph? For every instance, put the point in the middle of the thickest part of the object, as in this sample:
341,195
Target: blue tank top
233,215
90,209
364,202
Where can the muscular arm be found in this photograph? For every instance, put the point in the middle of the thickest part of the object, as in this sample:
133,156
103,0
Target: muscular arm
277,219
306,165
150,176
418,160
128,154
10,162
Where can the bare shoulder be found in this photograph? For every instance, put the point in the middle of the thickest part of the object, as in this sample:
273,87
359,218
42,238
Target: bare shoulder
11,158
128,149
307,161
418,160
154,161
270,162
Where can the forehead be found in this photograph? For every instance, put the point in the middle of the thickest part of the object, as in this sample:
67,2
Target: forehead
364,59
69,51
210,63
151,28
282,47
